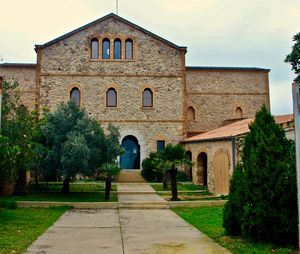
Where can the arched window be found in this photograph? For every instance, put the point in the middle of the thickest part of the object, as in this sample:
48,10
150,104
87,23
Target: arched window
128,49
105,48
238,112
111,98
94,48
117,49
75,96
147,98
191,114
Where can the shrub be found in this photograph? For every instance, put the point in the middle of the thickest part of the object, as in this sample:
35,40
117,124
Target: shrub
233,210
264,205
182,177
148,169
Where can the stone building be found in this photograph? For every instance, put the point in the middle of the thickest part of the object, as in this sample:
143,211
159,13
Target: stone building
125,75
216,152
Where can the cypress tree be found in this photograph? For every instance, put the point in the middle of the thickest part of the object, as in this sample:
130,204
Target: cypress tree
267,193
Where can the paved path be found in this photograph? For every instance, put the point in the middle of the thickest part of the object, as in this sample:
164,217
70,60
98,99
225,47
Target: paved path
123,231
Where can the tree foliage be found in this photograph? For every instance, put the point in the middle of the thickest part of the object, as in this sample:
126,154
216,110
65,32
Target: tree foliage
77,144
20,126
263,197
294,57
167,162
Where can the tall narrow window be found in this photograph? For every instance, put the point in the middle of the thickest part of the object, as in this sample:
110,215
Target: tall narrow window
117,49
106,49
128,49
191,114
75,96
94,48
111,98
147,98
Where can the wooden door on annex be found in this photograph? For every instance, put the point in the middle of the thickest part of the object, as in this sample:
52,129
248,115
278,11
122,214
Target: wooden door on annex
221,173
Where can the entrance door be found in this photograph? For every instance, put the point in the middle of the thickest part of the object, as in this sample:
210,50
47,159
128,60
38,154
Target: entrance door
221,173
131,158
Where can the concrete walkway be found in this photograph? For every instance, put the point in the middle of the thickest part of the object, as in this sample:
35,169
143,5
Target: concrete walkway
124,231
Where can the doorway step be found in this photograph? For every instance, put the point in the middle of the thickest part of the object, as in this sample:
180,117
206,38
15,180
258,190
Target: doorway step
131,176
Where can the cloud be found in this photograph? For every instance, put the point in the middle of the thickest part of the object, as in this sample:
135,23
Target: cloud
216,32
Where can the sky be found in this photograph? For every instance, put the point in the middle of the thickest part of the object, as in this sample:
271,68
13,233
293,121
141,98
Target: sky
251,33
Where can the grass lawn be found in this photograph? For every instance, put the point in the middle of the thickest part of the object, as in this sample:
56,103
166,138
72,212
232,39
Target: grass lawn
74,187
180,187
20,227
58,197
79,192
209,221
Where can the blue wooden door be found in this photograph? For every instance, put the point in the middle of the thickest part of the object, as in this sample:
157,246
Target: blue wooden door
131,158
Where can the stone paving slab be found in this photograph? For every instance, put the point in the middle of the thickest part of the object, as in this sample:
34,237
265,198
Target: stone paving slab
140,198
123,231
135,187
81,231
163,232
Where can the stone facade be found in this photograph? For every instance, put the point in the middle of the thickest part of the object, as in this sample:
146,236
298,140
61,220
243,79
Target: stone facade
211,149
25,75
215,94
186,100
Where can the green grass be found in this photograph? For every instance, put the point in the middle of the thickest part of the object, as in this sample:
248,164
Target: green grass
79,192
20,227
58,197
209,221
74,187
180,187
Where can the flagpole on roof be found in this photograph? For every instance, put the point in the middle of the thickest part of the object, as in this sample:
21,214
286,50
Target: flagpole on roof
117,7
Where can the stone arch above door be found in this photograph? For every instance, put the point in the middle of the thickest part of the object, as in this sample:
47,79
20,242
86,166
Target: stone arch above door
141,142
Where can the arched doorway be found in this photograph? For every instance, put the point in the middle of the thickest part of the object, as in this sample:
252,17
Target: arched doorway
131,158
189,170
202,169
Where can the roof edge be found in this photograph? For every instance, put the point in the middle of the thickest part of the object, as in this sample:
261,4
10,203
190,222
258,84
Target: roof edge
227,68
24,65
111,15
225,138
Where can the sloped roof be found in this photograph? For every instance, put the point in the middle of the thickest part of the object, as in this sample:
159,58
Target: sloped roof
233,130
24,65
111,15
226,68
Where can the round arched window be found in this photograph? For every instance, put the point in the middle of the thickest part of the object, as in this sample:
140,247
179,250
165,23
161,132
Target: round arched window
111,98
75,96
94,49
147,98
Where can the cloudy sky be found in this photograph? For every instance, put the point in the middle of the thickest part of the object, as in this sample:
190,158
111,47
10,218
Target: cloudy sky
254,33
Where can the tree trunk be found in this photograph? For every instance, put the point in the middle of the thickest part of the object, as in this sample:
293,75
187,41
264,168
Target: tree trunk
165,180
107,187
36,178
21,185
173,174
66,186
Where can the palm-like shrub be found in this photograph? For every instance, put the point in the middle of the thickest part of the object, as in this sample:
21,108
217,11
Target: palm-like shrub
109,170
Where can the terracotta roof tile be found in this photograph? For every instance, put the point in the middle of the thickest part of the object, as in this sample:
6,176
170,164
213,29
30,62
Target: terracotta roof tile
234,129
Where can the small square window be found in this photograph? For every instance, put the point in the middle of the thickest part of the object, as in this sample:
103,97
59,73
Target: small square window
160,145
